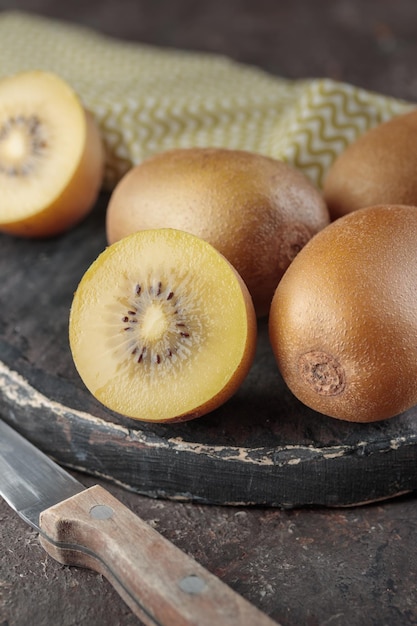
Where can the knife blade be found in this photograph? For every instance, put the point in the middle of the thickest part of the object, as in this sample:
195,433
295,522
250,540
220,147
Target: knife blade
88,527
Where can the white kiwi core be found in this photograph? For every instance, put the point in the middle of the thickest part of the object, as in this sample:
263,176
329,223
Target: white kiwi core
159,325
154,323
14,146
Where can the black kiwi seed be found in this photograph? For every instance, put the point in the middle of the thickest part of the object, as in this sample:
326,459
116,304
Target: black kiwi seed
142,354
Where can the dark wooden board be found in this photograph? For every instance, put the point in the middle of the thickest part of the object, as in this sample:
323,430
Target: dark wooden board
262,447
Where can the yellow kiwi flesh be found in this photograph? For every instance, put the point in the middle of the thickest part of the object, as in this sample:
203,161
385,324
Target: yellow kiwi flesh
51,156
257,211
162,328
343,320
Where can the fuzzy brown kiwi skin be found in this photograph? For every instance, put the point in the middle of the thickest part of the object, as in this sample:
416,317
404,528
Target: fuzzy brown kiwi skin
257,211
343,320
378,168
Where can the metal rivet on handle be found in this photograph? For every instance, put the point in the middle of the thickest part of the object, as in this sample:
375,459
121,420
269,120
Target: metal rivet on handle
101,511
192,584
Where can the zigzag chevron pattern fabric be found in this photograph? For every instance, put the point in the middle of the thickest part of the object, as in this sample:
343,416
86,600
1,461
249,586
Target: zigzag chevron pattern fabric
148,99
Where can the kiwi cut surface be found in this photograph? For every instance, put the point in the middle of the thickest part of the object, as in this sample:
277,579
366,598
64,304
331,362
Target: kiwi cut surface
51,155
162,328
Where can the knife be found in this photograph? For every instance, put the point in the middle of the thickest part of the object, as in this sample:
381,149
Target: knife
88,527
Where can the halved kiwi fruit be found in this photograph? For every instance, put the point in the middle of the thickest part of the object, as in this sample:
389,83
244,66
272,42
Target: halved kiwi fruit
51,156
162,327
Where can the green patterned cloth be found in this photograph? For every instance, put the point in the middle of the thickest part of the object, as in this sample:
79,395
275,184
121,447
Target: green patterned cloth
149,99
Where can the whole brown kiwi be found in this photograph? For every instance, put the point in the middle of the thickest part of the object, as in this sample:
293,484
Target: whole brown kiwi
343,320
257,211
378,168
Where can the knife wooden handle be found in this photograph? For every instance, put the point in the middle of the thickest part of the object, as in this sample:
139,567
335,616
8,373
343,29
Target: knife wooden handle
160,583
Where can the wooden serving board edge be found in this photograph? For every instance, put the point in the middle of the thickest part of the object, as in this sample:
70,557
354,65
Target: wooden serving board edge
285,477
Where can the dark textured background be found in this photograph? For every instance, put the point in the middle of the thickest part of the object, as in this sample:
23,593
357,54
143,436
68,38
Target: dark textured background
370,43
304,567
